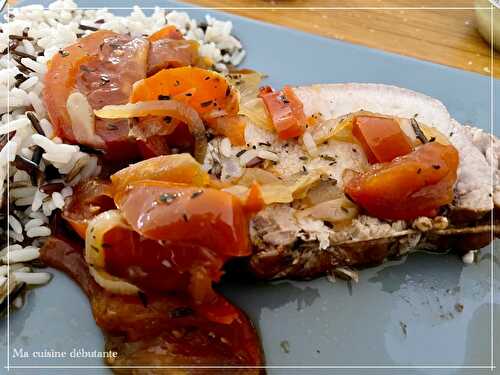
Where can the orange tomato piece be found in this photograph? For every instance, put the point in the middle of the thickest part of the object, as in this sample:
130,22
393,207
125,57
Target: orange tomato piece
232,127
254,202
60,79
167,32
413,185
183,214
382,138
206,91
286,111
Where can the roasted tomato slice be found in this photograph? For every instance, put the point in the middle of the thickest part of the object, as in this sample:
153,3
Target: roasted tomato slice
114,250
206,91
180,213
60,79
381,137
89,199
286,110
167,32
171,53
413,185
150,264
232,127
161,329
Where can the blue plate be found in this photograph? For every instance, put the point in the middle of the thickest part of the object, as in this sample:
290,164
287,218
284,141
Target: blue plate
401,314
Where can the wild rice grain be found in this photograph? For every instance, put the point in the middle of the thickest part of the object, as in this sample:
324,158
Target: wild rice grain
34,122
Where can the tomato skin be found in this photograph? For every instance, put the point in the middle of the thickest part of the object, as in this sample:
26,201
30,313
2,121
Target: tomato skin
286,110
180,213
89,199
382,138
413,185
206,91
60,79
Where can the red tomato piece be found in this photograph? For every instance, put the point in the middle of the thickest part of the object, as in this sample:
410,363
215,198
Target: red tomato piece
286,111
382,138
164,266
413,185
153,146
60,79
180,213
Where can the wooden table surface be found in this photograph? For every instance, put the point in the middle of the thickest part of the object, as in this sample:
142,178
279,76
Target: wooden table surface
444,36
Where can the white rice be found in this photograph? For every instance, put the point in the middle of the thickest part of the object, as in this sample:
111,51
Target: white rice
21,255
21,84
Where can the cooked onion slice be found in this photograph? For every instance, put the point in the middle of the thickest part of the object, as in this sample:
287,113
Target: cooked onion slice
162,108
111,283
273,193
94,252
259,175
96,229
333,211
257,113
82,120
247,82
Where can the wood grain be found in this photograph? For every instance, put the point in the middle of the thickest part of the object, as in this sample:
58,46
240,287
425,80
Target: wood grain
444,36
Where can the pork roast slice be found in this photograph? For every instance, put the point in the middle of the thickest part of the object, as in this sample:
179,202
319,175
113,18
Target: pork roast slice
475,185
286,246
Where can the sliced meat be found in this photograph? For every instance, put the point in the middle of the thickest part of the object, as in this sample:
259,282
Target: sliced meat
159,330
287,247
473,188
489,146
171,53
